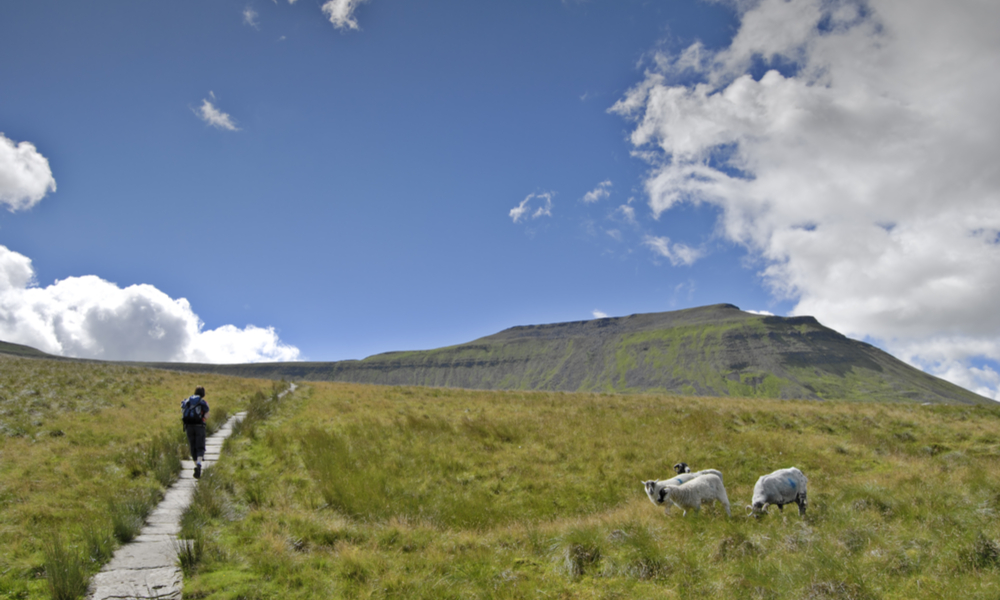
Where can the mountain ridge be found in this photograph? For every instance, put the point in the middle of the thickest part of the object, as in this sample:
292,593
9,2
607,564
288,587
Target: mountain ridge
715,350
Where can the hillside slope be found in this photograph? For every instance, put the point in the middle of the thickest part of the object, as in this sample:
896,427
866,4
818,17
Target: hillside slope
710,351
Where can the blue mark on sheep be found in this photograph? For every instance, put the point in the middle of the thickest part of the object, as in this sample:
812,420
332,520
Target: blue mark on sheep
791,482
680,481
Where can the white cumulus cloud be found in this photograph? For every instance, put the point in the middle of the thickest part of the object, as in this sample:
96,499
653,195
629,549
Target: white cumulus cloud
601,191
25,176
600,315
215,117
861,169
88,317
542,203
341,13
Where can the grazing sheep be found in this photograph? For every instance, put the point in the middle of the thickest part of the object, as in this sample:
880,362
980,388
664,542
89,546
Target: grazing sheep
782,487
682,467
704,486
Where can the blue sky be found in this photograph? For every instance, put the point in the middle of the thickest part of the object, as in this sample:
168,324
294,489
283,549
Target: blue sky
233,181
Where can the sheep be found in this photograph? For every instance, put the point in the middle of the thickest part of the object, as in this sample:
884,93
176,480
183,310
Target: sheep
704,487
782,487
682,467
653,488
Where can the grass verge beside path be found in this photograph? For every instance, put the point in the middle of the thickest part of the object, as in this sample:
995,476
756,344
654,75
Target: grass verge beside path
86,450
361,491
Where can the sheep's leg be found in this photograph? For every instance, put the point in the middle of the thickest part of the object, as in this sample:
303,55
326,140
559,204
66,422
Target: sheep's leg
781,508
801,501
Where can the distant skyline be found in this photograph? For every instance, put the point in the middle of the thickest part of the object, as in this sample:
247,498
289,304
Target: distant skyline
282,180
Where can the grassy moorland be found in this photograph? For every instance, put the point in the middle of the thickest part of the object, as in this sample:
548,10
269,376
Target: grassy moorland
353,491
85,451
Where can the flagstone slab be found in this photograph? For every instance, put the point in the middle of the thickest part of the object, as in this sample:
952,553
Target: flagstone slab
164,583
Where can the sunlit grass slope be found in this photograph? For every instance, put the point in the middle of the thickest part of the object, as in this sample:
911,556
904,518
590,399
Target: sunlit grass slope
85,448
353,491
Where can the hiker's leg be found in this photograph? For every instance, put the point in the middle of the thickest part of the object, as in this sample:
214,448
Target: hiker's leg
192,441
200,442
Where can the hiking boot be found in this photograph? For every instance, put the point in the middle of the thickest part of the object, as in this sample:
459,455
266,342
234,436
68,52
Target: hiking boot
197,471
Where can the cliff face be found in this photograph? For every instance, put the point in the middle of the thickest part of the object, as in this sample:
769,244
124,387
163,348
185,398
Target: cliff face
712,351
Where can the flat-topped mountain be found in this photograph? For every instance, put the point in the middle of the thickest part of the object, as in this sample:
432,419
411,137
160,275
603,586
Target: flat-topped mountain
710,351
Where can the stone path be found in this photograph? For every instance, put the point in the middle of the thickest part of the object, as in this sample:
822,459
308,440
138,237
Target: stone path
147,567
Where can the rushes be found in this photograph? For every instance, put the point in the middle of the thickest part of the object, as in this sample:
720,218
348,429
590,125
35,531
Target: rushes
129,513
64,570
99,541
160,457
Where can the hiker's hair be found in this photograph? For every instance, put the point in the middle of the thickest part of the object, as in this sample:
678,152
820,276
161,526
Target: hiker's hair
199,391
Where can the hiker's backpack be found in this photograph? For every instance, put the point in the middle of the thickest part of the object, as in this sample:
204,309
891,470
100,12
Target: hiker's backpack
192,410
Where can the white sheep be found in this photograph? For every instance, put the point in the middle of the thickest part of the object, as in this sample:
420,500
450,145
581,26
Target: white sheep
654,488
782,487
692,492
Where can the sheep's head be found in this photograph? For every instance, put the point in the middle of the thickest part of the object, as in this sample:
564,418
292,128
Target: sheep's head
757,509
682,467
651,491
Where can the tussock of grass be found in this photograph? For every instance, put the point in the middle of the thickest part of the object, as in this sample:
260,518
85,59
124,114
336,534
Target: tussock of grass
64,570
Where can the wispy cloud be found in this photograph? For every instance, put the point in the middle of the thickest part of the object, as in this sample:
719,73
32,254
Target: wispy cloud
626,213
600,315
677,254
876,112
533,206
25,176
250,18
601,191
215,117
341,13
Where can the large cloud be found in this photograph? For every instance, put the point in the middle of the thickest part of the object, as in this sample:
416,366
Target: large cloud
87,317
862,169
25,176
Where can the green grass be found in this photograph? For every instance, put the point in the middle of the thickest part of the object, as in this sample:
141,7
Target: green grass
86,450
360,491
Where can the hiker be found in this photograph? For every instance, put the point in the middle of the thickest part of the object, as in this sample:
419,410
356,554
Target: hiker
194,411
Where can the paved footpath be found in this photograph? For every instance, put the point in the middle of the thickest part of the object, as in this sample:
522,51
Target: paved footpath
147,567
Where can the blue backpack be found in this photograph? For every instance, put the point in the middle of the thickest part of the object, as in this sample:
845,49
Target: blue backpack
193,410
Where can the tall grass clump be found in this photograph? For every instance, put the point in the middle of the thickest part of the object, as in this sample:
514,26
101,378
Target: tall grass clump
129,513
64,570
190,549
580,551
99,541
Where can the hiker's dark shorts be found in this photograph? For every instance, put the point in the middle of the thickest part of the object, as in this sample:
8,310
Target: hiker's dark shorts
196,439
